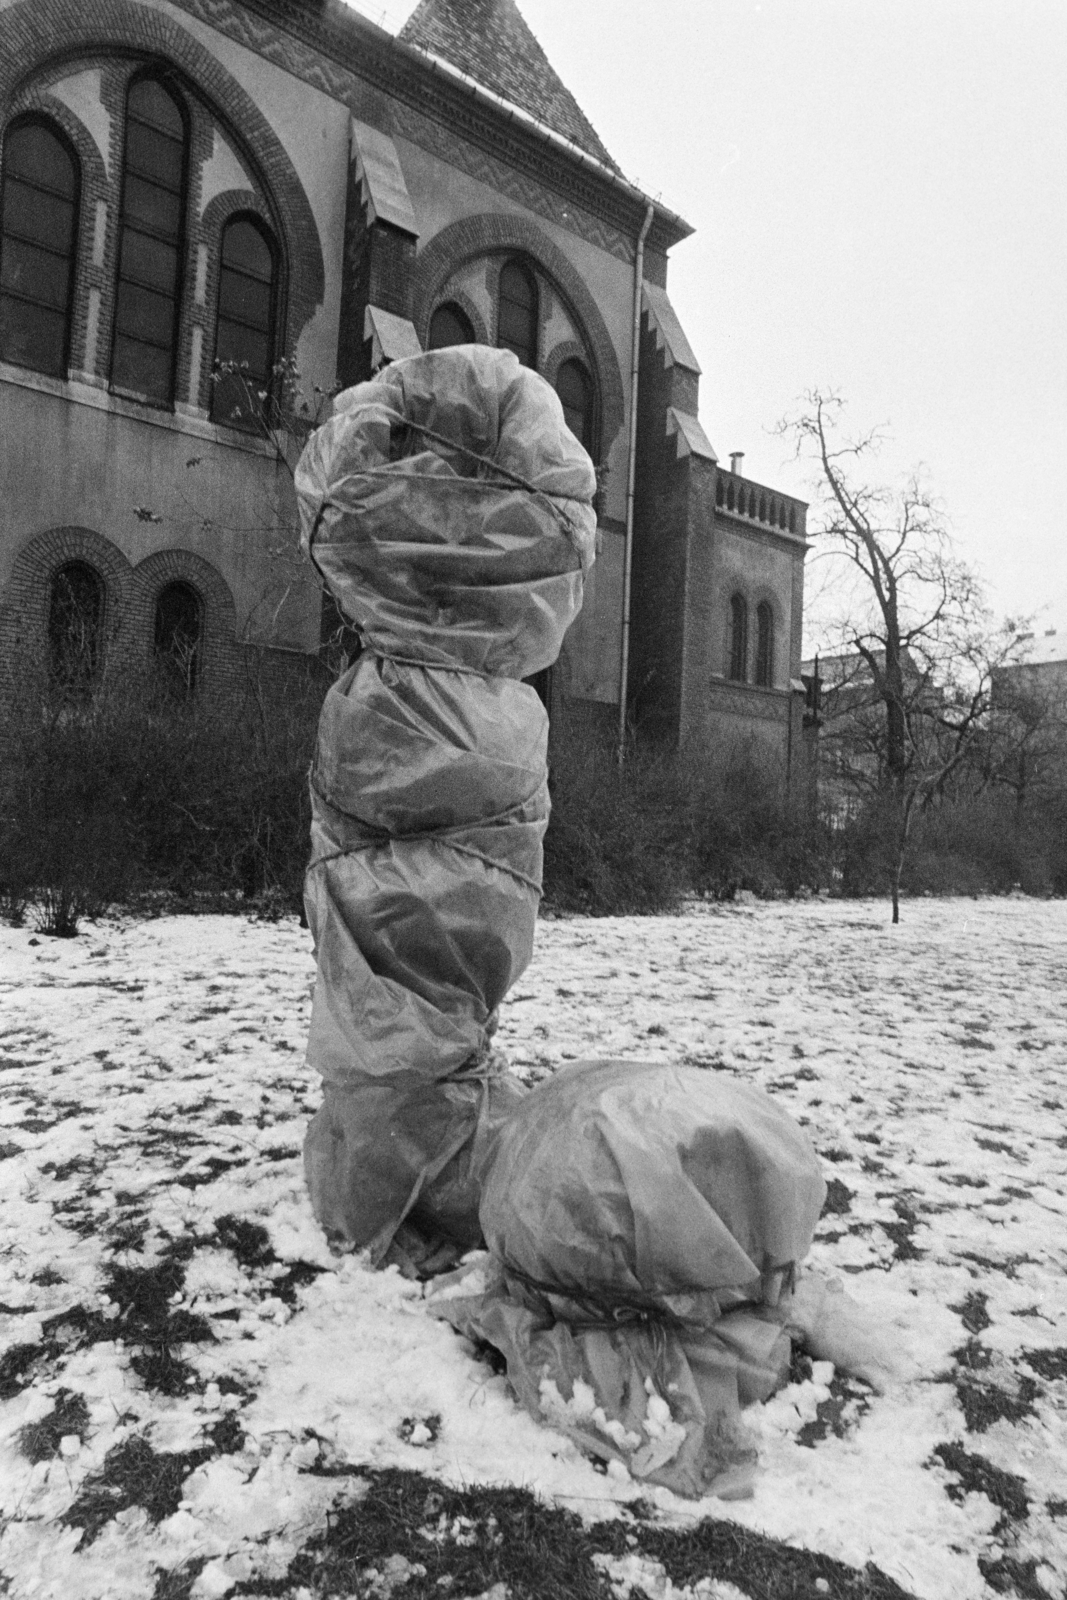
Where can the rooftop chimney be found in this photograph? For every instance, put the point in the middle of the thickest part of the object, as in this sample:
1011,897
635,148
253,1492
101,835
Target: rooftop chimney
736,458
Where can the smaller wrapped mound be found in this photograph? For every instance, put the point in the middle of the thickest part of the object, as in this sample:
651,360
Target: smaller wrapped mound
644,1224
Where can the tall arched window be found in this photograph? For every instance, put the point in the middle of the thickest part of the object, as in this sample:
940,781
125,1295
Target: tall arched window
244,338
38,241
178,629
449,325
764,645
75,626
516,323
150,243
738,638
575,389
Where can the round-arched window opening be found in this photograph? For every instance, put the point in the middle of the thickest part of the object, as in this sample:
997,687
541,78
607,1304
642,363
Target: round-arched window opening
38,241
575,389
738,668
516,323
178,631
449,325
75,627
764,645
244,332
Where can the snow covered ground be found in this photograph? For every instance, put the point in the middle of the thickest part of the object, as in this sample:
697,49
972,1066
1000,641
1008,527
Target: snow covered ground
183,1365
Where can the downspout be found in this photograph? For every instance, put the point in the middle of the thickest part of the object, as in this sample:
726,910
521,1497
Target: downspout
631,478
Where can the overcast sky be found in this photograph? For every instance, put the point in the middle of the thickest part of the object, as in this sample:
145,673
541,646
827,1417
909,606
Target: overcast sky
879,192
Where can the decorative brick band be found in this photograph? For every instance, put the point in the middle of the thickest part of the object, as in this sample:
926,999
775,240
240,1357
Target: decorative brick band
491,233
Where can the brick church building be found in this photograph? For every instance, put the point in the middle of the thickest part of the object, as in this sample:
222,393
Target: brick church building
186,183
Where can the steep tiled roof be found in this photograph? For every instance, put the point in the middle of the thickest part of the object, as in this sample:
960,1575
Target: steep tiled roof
489,40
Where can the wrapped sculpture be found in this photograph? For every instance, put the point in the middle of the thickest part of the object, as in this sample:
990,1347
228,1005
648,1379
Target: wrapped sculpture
449,510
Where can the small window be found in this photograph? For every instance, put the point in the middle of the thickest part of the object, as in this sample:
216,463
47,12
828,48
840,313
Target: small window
150,244
575,389
244,339
75,627
38,241
516,328
179,624
449,325
738,638
764,645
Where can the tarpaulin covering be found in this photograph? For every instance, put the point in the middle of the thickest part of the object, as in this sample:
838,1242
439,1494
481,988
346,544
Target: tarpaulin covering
644,1225
449,510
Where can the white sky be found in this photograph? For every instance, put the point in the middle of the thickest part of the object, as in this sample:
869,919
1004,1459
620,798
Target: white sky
879,189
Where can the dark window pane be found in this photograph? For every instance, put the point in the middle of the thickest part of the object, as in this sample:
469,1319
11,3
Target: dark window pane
37,235
245,299
148,206
154,156
30,336
149,101
177,638
244,247
576,397
738,638
244,330
31,152
149,261
144,314
32,214
75,615
764,645
141,369
517,314
448,326
36,274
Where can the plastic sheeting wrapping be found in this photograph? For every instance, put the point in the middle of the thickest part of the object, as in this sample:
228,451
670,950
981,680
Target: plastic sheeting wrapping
449,510
644,1225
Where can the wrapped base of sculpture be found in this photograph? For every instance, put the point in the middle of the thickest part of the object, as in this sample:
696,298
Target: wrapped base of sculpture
645,1223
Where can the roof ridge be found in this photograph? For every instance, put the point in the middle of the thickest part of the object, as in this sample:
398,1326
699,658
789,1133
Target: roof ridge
491,42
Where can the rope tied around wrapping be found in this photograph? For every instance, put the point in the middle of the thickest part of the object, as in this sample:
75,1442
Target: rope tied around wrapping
514,480
606,1311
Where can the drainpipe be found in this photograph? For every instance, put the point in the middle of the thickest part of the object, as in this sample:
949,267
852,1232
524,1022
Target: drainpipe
631,475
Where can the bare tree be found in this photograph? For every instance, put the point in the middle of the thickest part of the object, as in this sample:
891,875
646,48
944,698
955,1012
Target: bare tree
915,646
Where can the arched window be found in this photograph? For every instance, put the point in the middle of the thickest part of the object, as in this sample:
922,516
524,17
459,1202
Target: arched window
38,241
516,323
764,645
244,337
738,638
449,325
575,389
75,626
150,243
179,625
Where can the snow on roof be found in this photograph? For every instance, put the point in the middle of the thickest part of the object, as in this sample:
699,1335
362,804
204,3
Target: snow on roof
490,41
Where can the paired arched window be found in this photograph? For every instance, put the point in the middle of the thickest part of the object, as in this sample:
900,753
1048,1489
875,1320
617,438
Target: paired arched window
178,632
738,667
244,338
575,389
38,245
764,645
75,626
516,323
449,325
151,232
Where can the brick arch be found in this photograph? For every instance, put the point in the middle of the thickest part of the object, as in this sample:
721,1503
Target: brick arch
150,578
494,234
40,32
29,590
459,297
